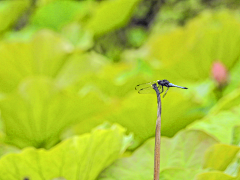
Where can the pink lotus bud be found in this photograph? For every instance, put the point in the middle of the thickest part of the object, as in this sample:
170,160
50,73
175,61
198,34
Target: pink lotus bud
219,73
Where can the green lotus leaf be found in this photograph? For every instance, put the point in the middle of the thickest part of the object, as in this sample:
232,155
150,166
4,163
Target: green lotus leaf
45,54
219,156
234,79
56,14
219,125
179,113
186,149
233,167
188,52
215,175
79,37
24,35
143,108
39,111
111,15
77,75
59,178
10,11
77,72
140,120
6,149
178,174
184,152
45,2
236,136
227,102
80,157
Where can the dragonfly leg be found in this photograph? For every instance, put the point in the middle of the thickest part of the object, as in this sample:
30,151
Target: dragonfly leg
162,90
165,92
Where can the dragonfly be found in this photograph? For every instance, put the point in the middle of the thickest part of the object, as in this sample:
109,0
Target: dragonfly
147,88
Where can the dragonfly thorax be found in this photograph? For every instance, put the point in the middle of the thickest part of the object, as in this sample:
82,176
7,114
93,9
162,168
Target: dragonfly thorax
163,82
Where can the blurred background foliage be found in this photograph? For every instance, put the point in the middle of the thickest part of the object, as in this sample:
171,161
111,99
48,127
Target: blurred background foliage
68,66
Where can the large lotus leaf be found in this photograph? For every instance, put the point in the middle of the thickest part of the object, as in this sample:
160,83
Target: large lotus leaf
77,76
219,156
234,80
215,175
236,136
23,35
233,168
45,2
121,77
38,112
45,54
78,158
139,113
97,73
178,174
219,125
185,151
81,70
109,78
10,11
111,15
178,111
79,37
188,52
6,149
59,13
227,102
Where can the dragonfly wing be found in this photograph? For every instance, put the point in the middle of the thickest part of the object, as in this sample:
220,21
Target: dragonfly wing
149,90
145,85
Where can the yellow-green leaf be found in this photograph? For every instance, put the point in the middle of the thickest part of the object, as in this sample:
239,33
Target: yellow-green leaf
181,155
78,158
111,15
219,125
44,55
39,111
219,156
10,11
216,175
